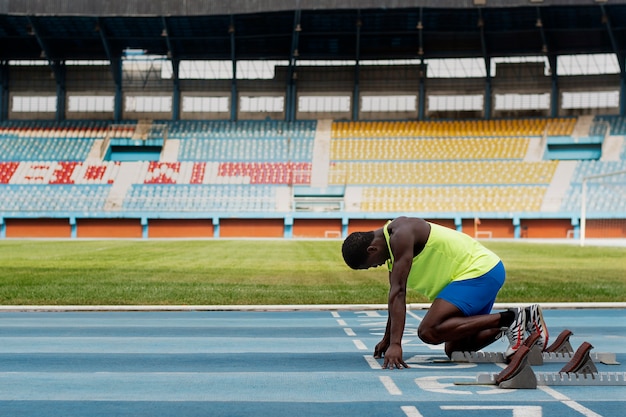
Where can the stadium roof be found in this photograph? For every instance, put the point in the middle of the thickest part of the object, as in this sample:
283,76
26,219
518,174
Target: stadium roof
62,30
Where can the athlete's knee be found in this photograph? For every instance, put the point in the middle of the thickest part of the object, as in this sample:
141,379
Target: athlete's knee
430,334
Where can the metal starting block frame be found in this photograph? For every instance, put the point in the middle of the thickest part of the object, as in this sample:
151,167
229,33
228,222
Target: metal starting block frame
579,371
560,351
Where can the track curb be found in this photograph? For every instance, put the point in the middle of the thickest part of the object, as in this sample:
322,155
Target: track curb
280,307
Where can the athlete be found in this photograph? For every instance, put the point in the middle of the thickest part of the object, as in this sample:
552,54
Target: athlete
459,275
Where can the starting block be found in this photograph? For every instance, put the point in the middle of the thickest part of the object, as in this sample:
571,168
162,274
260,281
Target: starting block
559,351
580,370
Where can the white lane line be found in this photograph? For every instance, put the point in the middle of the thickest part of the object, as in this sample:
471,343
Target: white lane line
349,331
581,409
369,313
415,316
334,314
391,387
411,411
373,363
568,402
342,322
518,410
359,345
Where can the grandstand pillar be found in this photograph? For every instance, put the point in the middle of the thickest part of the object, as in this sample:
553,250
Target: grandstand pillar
4,90
355,101
73,232
344,227
421,97
488,89
458,224
144,227
216,227
622,95
288,233
488,99
3,228
116,67
517,231
290,107
233,101
554,94
554,98
61,90
176,91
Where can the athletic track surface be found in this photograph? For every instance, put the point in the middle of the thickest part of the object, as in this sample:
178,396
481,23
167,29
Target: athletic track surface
271,363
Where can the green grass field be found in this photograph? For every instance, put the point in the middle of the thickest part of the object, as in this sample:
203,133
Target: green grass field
223,272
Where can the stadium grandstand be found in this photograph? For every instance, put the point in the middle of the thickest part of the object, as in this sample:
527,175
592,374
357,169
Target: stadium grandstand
310,119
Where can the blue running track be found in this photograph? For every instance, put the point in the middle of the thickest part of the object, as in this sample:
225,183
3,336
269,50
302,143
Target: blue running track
279,364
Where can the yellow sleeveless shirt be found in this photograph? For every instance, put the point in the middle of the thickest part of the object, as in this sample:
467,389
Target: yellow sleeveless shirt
447,256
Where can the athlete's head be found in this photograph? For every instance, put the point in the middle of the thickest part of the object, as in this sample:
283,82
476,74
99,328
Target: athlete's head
354,249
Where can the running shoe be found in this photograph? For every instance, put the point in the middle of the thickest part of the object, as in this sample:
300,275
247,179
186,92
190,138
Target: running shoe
536,323
516,332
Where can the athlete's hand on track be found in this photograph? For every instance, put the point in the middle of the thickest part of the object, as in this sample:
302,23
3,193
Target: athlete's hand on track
381,348
393,357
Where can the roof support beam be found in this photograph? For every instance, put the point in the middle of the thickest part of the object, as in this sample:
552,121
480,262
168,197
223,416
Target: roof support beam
357,68
116,67
115,63
99,27
487,59
234,100
421,95
35,31
552,62
420,28
166,34
291,94
57,66
609,28
175,69
620,60
293,74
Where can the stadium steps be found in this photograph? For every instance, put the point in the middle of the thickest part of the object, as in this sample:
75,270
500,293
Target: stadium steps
126,177
582,126
612,148
142,130
536,149
557,189
321,154
94,154
170,150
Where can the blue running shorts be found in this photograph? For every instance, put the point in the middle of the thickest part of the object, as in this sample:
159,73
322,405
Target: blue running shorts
475,296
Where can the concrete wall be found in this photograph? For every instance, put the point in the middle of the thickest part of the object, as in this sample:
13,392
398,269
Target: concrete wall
300,228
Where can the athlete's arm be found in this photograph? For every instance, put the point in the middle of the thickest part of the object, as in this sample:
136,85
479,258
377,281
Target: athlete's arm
402,242
383,345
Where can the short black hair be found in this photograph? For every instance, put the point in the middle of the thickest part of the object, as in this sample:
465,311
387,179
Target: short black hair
354,248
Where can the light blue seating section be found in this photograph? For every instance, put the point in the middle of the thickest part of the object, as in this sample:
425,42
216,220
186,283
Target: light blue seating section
246,150
244,141
48,140
616,123
225,141
15,148
59,198
607,195
201,197
589,168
